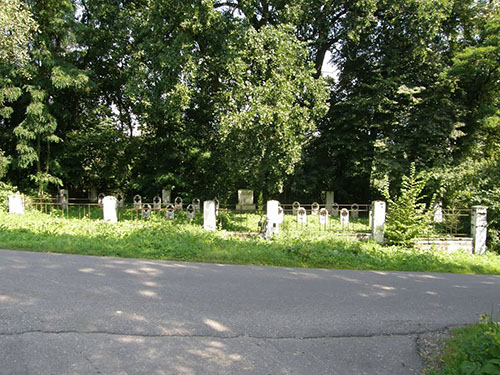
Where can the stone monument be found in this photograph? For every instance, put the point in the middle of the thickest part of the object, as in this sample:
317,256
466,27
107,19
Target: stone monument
109,205
245,200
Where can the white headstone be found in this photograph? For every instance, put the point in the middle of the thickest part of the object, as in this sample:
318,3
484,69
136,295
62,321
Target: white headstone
378,221
178,203
245,200
16,204
137,202
281,215
344,217
146,211
272,214
302,216
156,203
109,205
196,204
438,212
209,220
323,216
165,195
190,211
315,208
355,210
170,212
335,209
479,228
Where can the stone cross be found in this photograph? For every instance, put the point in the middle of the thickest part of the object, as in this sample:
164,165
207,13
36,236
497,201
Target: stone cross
315,208
190,211
170,212
156,203
178,203
344,217
137,202
323,216
355,210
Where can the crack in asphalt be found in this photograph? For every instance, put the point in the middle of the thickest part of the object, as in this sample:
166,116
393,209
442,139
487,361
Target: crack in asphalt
153,335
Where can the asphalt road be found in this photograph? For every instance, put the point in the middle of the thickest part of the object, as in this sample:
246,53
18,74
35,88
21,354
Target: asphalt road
65,314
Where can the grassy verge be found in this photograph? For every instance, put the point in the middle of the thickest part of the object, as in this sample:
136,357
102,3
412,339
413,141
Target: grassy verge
162,239
472,350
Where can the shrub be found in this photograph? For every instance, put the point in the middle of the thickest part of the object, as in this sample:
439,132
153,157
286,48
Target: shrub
407,217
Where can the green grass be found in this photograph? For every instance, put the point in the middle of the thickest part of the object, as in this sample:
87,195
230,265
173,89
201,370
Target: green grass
472,350
159,238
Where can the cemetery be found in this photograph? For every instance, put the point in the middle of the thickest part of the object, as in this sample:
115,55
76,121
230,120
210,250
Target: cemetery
301,231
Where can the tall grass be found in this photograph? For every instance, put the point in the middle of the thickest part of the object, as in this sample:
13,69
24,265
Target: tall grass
158,238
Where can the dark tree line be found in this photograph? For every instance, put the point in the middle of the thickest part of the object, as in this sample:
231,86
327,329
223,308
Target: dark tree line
210,96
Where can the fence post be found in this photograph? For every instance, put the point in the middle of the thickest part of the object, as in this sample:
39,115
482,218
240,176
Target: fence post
378,221
479,228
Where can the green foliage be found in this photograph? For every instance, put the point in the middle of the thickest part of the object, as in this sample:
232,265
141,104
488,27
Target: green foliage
407,217
158,238
473,350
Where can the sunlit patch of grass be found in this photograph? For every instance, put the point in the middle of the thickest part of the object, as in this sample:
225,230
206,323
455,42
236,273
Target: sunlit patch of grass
294,246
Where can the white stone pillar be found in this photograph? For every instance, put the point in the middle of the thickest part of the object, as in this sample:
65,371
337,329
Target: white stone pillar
479,229
273,218
209,221
109,204
378,221
329,201
16,204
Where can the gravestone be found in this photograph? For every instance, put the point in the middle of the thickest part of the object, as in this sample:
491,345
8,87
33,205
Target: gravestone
281,215
245,200
335,209
216,207
323,217
178,203
146,211
119,201
302,216
109,205
92,194
170,212
295,207
63,198
329,201
190,212
165,195
438,212
196,204
479,228
16,204
272,214
209,220
156,203
100,197
344,217
355,210
378,221
137,202
315,208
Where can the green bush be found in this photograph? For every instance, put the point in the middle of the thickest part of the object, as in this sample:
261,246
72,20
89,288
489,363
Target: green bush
473,350
407,217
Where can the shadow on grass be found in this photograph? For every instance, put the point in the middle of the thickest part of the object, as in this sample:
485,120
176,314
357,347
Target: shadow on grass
163,240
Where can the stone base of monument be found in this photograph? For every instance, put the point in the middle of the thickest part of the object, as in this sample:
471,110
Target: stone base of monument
245,207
